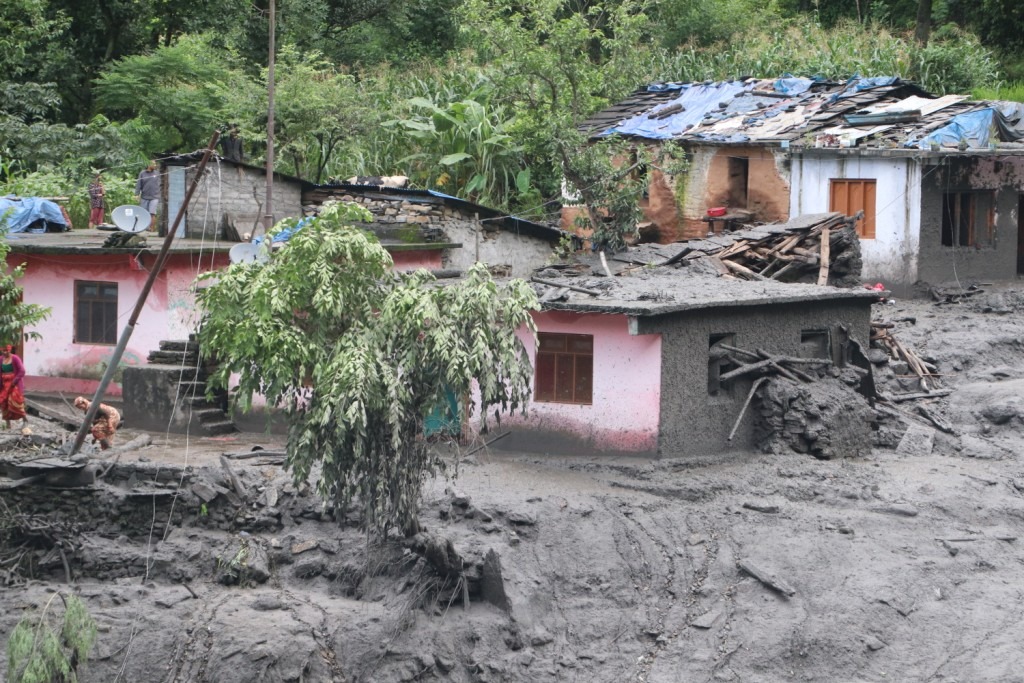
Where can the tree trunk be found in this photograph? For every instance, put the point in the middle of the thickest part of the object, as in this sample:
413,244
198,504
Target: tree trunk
924,22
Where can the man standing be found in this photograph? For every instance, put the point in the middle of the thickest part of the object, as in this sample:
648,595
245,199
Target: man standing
147,191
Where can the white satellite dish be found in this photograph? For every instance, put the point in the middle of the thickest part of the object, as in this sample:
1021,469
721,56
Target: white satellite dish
247,252
131,218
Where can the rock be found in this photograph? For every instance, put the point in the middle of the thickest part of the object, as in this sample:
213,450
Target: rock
873,643
950,548
267,603
707,620
492,584
521,518
308,568
899,509
766,508
204,491
540,638
766,577
917,440
877,356
244,561
460,499
304,546
173,596
1001,413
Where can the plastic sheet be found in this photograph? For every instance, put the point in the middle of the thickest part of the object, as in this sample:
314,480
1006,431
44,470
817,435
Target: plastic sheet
697,101
25,211
792,85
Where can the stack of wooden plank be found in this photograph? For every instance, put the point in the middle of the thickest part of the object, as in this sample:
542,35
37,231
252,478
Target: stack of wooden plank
883,338
820,249
816,248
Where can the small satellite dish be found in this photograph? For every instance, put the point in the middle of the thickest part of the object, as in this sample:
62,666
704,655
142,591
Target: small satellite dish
131,218
247,252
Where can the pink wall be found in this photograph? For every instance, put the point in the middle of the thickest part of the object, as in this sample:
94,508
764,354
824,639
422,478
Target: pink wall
627,386
56,362
414,260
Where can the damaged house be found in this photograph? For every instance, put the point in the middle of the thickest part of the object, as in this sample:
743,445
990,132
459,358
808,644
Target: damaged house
938,179
663,352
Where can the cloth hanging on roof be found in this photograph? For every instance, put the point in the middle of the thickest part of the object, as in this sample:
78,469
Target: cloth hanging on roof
31,214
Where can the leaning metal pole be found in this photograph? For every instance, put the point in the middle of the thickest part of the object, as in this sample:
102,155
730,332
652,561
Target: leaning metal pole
126,334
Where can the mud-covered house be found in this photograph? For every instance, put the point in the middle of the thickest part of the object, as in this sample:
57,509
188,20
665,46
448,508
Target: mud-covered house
91,289
637,358
938,179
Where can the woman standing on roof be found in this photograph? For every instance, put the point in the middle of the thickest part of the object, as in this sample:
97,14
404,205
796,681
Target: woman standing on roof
12,387
97,203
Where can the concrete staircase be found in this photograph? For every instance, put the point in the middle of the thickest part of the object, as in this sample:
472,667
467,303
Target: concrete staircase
171,390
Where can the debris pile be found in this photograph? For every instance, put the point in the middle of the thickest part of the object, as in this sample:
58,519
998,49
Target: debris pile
816,248
906,363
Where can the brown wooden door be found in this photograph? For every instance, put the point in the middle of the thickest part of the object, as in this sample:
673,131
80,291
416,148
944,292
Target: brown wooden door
852,195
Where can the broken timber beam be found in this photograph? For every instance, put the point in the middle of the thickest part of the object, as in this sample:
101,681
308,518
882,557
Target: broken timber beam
551,283
823,271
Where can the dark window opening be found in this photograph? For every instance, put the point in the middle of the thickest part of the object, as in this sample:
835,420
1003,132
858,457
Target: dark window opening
967,219
564,369
95,312
739,175
719,363
815,344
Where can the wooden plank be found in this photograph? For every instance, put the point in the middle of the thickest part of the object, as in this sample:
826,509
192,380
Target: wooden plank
743,270
825,247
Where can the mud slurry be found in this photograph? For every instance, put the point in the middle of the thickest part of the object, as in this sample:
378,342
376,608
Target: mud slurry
904,563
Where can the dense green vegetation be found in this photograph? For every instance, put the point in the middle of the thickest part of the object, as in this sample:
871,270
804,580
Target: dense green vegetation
475,98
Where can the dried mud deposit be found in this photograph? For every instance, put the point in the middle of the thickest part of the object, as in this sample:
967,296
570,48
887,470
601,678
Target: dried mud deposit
901,564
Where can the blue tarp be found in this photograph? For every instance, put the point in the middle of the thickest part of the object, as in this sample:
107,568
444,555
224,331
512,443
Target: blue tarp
25,211
285,234
973,126
792,85
696,100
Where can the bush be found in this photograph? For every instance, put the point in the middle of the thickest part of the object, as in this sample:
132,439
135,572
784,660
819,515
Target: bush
119,190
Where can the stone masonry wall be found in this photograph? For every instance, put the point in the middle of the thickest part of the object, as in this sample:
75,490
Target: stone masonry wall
486,241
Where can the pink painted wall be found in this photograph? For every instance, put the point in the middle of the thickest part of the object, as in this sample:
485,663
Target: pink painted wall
406,261
627,386
56,362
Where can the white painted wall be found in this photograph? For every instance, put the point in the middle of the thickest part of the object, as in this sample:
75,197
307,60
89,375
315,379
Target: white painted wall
890,258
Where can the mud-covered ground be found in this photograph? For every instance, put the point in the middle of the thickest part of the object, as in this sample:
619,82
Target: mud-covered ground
904,565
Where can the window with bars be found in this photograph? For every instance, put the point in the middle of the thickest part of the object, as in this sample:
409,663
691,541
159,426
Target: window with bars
967,218
95,312
564,370
852,195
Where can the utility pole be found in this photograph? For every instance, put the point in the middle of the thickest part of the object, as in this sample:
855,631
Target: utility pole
268,206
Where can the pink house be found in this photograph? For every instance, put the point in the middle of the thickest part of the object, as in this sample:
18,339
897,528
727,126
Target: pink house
91,290
628,363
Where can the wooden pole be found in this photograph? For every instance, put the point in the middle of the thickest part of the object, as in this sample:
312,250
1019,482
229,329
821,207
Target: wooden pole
268,205
126,334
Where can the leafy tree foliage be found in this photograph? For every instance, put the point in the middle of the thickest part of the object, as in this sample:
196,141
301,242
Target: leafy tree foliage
46,648
16,317
356,356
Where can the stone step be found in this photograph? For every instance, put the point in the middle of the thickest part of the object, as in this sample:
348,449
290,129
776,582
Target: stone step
179,345
208,415
216,428
186,358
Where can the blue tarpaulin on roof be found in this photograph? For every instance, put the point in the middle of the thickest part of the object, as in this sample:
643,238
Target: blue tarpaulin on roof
25,211
696,100
792,85
978,128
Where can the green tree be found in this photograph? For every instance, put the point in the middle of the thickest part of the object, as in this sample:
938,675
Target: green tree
46,648
15,315
177,94
356,356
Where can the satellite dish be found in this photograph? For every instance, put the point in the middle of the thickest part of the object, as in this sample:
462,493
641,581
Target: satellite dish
247,252
131,218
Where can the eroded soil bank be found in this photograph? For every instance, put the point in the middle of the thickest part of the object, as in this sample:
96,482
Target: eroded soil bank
902,564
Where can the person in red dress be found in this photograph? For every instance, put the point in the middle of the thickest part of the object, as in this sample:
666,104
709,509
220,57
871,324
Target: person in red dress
12,387
97,203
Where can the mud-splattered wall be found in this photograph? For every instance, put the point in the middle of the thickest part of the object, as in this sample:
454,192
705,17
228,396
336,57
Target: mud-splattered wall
892,256
997,186
59,363
695,420
626,392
